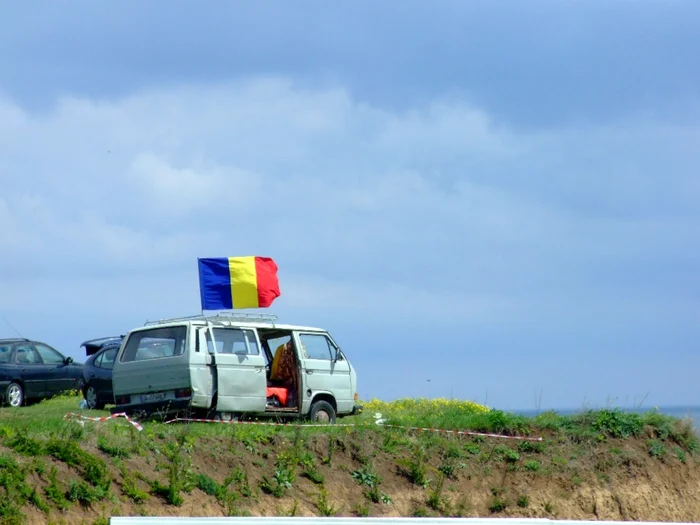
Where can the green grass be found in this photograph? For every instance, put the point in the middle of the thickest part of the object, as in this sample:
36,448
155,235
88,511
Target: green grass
37,438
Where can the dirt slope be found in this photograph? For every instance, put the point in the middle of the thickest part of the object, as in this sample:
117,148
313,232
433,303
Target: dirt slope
378,473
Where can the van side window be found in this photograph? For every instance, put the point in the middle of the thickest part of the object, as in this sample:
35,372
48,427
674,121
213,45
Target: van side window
154,344
233,341
317,346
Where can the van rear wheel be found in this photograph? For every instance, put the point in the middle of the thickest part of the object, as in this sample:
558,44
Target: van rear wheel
322,412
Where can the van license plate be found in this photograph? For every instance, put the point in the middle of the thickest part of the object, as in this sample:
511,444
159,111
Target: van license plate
149,398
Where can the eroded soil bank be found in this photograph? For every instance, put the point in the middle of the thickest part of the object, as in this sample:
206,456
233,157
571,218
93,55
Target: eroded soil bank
348,472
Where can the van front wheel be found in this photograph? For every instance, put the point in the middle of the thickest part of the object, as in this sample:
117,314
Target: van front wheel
322,412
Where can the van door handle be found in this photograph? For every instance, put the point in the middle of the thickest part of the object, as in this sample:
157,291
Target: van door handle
309,372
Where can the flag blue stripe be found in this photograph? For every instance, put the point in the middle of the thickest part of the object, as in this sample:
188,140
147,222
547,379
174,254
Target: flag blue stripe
215,284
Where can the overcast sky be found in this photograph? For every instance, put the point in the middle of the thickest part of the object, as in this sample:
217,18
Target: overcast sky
487,203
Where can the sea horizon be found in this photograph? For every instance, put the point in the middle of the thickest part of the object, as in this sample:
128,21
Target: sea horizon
680,411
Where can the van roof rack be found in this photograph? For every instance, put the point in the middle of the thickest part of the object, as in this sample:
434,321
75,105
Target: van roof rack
221,318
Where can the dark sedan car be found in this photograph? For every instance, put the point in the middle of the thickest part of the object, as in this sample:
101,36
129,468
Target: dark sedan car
96,383
32,370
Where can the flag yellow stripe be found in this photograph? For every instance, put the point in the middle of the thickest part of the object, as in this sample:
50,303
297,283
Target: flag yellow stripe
244,282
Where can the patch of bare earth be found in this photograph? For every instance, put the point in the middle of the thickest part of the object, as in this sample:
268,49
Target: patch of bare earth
612,480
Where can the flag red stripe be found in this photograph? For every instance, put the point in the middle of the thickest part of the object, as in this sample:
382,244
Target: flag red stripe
268,284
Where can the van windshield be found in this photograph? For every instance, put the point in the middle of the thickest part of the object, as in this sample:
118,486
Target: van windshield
154,344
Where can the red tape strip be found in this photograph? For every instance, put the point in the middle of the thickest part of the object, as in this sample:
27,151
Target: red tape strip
72,415
420,429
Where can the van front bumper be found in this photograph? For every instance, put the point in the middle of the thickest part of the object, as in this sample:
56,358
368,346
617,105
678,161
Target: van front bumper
161,407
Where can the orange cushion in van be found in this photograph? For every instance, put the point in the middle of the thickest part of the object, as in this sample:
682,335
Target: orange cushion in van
280,392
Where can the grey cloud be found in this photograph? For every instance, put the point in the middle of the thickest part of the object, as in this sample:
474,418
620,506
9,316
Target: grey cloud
513,239
534,64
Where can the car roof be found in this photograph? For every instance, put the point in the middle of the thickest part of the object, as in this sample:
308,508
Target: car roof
93,346
11,340
103,340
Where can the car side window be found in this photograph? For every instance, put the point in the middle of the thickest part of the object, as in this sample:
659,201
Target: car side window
48,355
317,346
26,355
108,356
5,353
98,360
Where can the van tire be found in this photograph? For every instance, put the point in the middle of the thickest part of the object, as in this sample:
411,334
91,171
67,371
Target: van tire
322,412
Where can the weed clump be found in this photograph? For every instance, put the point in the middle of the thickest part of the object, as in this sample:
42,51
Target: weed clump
22,444
15,491
115,451
368,477
179,475
91,468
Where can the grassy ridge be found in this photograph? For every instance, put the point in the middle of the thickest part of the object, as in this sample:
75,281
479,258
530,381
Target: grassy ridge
51,467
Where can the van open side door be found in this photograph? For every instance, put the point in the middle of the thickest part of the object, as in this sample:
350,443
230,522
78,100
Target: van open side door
202,371
240,379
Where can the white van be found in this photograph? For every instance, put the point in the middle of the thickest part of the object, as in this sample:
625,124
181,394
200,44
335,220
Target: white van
233,365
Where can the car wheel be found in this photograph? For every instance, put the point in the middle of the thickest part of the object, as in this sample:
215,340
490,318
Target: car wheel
14,395
322,412
91,399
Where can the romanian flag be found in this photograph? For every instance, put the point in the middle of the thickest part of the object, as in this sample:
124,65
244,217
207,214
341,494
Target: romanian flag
237,282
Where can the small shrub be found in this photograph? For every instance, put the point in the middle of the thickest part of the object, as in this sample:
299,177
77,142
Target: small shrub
39,467
532,447
368,477
332,444
82,493
116,451
362,510
511,456
680,454
314,476
435,499
323,506
497,505
208,485
240,480
26,446
39,502
656,448
472,448
11,513
523,501
53,491
447,469
132,492
178,467
415,469
92,469
618,424
532,465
